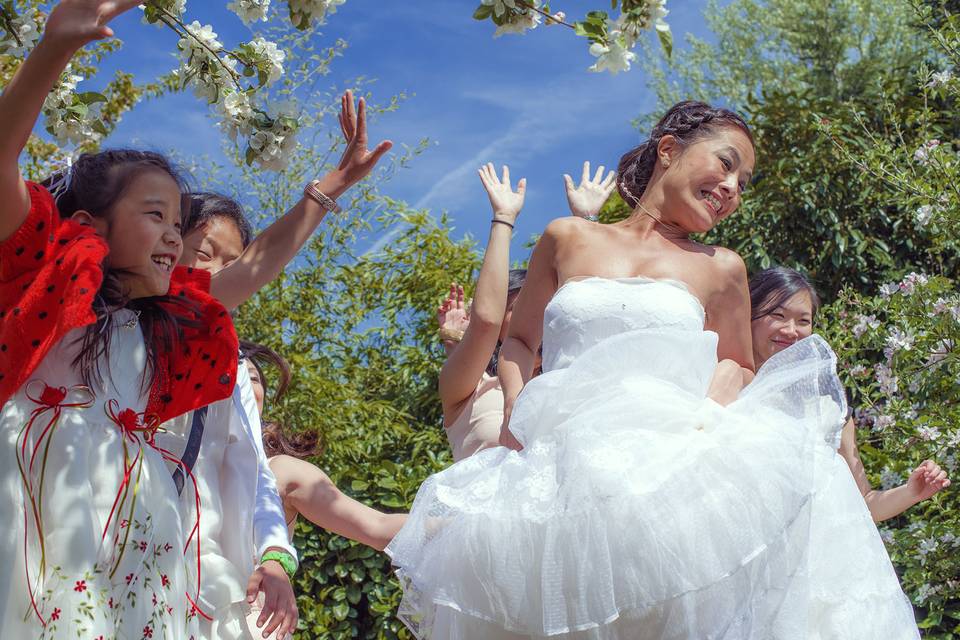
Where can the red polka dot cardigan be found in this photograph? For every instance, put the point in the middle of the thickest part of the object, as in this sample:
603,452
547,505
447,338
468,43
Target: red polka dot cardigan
50,271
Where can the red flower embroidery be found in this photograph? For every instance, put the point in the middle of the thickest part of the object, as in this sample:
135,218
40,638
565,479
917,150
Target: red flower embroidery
55,615
164,580
129,578
143,545
110,604
148,632
81,586
170,612
124,523
167,547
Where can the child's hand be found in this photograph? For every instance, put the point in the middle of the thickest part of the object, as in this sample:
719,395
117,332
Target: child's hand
357,162
927,480
279,602
588,198
74,23
505,201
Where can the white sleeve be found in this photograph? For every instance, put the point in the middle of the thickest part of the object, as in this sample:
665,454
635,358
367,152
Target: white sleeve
269,523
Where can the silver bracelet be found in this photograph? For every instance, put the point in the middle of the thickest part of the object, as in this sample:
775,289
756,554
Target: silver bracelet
592,218
325,201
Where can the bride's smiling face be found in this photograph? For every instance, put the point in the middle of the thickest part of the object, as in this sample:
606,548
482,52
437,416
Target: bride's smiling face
702,182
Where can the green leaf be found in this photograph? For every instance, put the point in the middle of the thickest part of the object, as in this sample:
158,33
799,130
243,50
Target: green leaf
666,41
483,12
90,97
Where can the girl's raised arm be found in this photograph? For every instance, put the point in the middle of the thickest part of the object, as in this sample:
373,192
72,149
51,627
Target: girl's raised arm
71,25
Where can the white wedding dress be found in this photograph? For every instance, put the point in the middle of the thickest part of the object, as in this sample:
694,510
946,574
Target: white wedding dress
638,509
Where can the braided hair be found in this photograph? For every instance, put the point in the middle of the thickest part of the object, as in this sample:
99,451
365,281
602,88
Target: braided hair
686,121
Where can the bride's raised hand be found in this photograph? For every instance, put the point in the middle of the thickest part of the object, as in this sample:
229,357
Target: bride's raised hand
587,199
74,23
506,202
357,161
453,315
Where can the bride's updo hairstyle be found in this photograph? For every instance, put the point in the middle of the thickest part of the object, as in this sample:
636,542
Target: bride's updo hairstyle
686,121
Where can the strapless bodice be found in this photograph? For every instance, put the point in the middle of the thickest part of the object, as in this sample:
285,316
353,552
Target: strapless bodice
584,312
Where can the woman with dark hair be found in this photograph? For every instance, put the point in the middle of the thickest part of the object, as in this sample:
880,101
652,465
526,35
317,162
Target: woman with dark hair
853,595
638,508
469,385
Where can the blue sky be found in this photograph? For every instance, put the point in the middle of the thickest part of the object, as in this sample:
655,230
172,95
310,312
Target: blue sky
527,101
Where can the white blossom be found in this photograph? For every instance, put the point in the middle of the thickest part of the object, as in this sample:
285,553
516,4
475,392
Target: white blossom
883,421
23,28
250,11
923,215
889,479
939,352
898,340
889,289
519,23
500,6
940,78
922,154
910,283
928,433
613,57
270,56
864,323
926,547
886,380
943,305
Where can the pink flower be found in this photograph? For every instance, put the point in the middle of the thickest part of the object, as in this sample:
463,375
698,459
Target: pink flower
81,586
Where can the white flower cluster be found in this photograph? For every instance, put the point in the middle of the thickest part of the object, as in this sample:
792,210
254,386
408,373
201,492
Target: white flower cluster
898,340
250,11
886,380
923,215
922,154
864,324
304,12
908,286
71,117
19,37
615,53
940,78
212,72
944,305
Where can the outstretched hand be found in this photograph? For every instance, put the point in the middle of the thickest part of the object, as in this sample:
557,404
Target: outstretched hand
74,23
453,315
927,480
588,198
357,161
505,201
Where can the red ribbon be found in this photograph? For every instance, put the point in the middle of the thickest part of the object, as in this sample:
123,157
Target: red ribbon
50,399
147,425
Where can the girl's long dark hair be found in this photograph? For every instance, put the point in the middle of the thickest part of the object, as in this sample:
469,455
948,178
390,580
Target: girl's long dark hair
96,182
276,439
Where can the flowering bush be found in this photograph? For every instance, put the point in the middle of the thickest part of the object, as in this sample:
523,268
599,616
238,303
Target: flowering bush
898,357
611,40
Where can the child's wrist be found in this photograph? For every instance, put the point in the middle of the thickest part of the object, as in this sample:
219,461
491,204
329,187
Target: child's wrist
284,558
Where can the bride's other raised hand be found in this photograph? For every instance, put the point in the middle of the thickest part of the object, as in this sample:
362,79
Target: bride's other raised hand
587,199
506,202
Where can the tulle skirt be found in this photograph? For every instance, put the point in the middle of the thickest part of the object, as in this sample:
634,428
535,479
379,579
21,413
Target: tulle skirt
637,509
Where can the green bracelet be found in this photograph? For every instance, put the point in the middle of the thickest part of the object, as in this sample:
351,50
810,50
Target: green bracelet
287,561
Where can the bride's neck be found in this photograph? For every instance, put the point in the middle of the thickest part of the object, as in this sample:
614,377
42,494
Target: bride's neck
651,216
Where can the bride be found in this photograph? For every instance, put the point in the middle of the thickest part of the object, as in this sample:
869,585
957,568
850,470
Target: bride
629,504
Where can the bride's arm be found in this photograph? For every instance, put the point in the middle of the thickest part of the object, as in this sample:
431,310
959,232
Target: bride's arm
728,310
519,350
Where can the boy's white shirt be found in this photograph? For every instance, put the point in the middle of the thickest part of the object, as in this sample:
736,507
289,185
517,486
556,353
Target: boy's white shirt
242,514
269,517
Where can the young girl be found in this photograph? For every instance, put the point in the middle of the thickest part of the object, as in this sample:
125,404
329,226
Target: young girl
247,549
469,387
99,340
